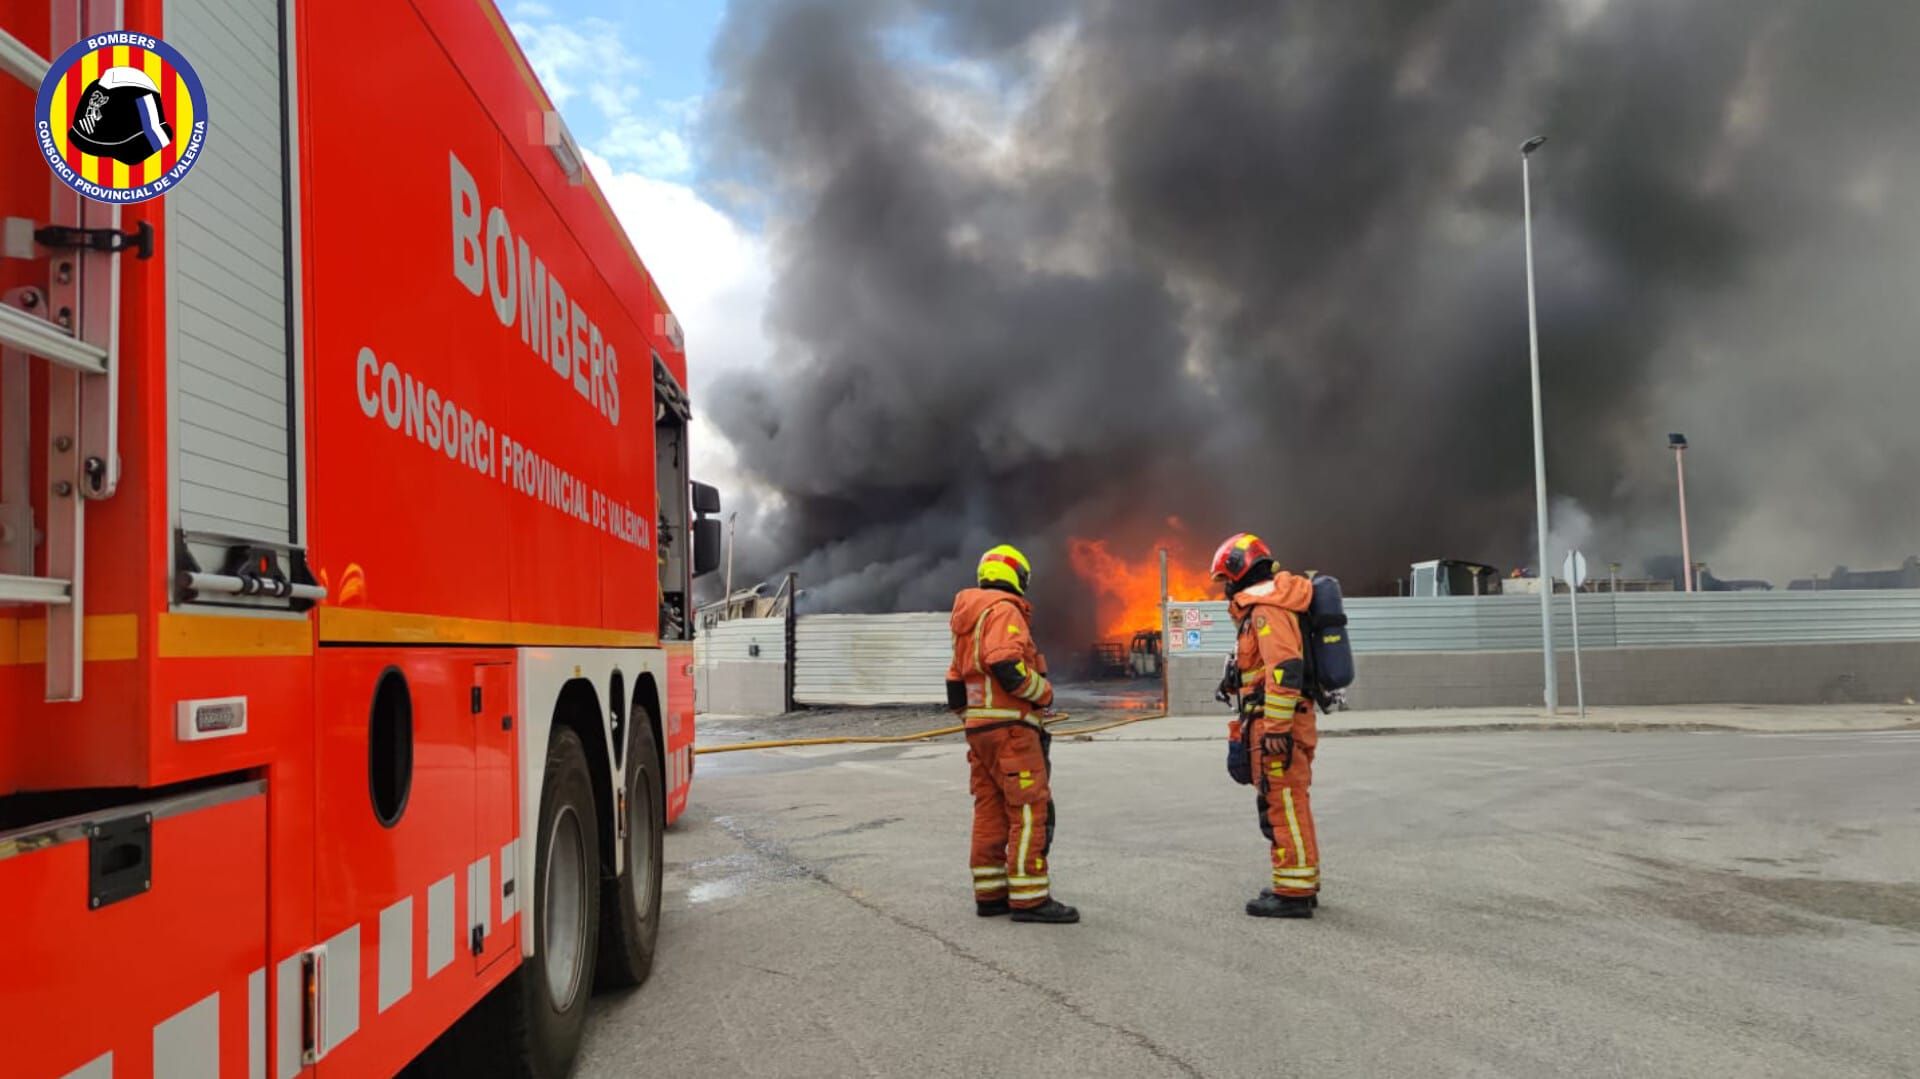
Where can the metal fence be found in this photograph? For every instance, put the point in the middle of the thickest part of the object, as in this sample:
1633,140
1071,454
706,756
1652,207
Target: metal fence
1624,620
864,659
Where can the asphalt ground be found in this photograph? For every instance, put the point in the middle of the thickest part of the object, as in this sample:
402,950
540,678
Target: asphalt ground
1523,904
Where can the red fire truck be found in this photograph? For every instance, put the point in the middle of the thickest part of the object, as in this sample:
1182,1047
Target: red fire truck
346,555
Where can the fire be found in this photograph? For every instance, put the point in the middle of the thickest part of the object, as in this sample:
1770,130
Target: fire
1128,591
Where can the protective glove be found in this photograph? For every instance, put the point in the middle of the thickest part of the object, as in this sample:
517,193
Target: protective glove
1278,747
1239,761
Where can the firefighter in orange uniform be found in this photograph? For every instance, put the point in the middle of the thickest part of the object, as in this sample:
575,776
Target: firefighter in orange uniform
998,682
1276,718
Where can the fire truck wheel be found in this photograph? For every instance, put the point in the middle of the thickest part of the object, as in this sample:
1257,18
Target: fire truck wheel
630,903
531,1025
558,981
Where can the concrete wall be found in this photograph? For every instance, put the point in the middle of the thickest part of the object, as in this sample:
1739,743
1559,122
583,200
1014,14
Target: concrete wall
740,667
741,689
1854,673
1190,682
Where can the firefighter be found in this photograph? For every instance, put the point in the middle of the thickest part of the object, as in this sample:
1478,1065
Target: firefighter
1276,717
998,682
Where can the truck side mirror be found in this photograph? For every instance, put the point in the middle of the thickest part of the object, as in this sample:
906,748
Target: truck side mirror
706,544
706,498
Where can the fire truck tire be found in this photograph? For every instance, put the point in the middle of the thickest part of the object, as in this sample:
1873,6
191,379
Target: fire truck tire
530,1026
630,902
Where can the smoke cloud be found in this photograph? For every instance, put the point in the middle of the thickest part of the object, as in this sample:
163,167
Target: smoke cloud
1049,268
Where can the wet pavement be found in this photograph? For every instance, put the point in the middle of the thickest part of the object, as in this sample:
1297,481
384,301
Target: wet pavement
1525,904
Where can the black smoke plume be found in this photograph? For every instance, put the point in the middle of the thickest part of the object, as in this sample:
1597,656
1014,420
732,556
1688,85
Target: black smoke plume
1066,268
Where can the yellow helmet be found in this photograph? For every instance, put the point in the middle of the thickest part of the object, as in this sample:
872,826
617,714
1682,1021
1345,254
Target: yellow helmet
1006,565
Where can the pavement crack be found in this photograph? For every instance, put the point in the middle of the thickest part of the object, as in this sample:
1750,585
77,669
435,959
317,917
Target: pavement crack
767,970
856,829
775,851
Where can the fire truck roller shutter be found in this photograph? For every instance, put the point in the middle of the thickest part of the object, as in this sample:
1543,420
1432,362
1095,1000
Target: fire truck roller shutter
231,281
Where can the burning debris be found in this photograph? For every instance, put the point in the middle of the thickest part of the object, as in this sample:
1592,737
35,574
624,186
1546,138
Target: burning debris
1127,591
1052,269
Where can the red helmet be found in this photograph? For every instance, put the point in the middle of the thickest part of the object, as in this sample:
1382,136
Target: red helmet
1239,554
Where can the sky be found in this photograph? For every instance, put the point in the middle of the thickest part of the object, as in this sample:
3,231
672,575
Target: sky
630,78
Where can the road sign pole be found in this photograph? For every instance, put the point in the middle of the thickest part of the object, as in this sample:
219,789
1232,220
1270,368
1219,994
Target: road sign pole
1166,635
1579,680
1576,574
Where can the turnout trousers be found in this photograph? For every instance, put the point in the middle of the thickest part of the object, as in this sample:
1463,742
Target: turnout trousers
1012,813
1282,757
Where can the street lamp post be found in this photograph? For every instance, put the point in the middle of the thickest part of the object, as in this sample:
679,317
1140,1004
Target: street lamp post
1678,442
729,580
1539,440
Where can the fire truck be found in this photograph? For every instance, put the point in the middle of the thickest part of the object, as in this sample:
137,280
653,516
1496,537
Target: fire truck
346,554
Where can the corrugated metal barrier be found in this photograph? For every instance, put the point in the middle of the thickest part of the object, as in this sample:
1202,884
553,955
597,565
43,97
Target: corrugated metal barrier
862,659
1624,620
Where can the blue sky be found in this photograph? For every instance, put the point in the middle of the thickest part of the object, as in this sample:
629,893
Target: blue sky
628,75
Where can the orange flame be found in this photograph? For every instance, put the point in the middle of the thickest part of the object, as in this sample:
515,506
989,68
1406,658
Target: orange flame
1128,591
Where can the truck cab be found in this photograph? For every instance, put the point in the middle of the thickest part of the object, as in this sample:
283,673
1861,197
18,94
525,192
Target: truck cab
1143,654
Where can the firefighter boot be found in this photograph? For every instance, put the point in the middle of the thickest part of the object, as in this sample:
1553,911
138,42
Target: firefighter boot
1268,905
1052,912
1315,897
991,908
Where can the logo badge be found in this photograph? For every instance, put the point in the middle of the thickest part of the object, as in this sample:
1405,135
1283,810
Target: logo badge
121,117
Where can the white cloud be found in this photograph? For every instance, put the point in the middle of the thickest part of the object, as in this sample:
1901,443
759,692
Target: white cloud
572,58
649,148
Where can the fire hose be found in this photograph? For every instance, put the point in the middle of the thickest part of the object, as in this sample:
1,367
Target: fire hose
920,736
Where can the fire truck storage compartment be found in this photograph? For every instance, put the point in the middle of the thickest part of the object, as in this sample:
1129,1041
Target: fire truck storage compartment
231,277
417,849
139,934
